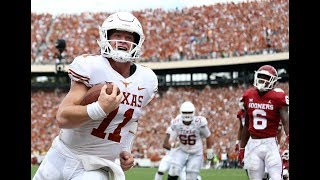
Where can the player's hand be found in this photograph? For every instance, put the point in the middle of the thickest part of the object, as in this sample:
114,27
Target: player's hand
109,102
241,155
126,160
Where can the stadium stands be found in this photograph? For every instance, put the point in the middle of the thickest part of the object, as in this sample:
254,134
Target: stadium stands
205,32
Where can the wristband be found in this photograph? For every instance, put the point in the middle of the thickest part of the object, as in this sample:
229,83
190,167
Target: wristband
95,111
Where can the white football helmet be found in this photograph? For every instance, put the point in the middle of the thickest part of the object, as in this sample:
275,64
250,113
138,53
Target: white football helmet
122,21
285,154
187,111
265,78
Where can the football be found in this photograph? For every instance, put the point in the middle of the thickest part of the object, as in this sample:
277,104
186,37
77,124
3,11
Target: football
93,93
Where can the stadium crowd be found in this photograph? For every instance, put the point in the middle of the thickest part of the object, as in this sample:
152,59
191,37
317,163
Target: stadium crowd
205,32
218,104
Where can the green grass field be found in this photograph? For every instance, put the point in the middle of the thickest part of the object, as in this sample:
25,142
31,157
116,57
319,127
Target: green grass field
148,174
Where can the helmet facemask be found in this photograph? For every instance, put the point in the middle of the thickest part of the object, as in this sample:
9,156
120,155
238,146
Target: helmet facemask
187,116
117,54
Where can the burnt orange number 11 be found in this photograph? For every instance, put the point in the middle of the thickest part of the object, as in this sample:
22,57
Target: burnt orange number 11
115,135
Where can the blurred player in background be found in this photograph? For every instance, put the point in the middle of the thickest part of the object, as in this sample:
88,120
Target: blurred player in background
189,129
92,136
166,160
265,106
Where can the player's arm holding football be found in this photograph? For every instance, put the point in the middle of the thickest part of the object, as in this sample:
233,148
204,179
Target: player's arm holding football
71,114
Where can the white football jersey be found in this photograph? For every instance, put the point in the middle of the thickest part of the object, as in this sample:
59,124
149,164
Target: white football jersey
102,138
190,137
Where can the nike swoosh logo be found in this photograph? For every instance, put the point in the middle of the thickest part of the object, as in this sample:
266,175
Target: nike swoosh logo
140,88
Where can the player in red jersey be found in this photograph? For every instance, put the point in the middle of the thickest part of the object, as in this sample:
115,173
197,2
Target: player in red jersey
241,118
265,106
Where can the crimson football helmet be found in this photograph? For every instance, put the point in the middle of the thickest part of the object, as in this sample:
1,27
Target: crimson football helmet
265,78
187,111
122,21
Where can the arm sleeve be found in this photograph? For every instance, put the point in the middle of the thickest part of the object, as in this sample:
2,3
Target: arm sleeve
173,136
128,139
204,129
78,71
171,129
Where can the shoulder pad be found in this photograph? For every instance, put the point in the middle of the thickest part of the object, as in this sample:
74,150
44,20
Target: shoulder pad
200,121
278,90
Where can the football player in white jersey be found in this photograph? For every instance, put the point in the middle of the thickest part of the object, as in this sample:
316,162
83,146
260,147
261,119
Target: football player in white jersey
190,130
166,159
92,136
